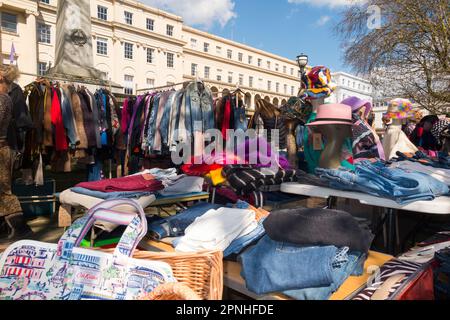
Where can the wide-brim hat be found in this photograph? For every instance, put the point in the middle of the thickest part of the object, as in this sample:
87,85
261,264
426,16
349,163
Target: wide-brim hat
334,113
357,104
400,109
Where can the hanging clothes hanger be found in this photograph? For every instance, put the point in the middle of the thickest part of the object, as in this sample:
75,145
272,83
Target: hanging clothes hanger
238,90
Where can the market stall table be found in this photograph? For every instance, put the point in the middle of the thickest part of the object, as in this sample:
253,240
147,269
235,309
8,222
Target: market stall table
439,206
69,199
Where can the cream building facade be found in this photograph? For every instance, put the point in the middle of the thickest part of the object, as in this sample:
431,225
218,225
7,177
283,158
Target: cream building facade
141,47
348,85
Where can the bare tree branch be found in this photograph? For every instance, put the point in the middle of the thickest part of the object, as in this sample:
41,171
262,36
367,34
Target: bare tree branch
409,55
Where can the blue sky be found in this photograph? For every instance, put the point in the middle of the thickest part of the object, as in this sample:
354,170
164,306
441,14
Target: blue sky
283,27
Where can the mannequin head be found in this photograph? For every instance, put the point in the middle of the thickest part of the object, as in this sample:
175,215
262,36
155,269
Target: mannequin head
334,122
334,136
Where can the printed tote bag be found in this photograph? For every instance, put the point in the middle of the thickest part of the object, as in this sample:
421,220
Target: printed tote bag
31,270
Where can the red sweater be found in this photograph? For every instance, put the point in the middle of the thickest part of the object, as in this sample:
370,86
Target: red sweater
58,124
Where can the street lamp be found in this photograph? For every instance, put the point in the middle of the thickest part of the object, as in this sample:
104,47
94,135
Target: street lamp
302,61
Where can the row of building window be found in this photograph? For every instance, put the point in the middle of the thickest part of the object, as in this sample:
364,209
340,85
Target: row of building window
128,82
352,84
9,23
102,14
206,49
102,49
207,75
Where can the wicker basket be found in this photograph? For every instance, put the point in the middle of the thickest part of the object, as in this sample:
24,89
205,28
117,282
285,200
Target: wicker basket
202,272
173,291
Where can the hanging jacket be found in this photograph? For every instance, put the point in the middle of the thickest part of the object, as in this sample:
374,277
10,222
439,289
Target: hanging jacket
164,127
199,107
226,124
157,144
48,130
125,117
36,103
114,118
68,119
218,110
152,123
57,122
96,117
88,119
21,121
174,117
135,127
100,101
78,114
144,133
240,119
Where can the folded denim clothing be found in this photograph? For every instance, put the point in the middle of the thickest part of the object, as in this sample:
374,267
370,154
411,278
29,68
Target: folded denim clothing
375,178
310,179
272,266
184,185
442,162
175,226
318,227
216,229
354,266
110,195
443,175
144,183
246,240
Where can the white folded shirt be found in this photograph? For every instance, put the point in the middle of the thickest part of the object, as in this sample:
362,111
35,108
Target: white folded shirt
216,229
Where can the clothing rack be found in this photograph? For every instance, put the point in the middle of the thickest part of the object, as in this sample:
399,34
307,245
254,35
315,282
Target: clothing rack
162,87
77,83
197,79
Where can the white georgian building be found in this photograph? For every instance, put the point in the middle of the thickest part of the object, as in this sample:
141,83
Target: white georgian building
141,47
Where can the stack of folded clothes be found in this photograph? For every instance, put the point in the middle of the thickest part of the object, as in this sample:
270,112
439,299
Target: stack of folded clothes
307,253
212,226
182,184
248,178
217,229
375,178
126,187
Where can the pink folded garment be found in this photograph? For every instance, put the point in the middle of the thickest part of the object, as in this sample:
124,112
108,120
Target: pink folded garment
140,183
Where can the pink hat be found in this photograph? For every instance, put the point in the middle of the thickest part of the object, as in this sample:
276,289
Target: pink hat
334,113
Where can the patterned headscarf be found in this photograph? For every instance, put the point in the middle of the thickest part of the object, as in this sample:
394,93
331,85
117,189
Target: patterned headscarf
438,128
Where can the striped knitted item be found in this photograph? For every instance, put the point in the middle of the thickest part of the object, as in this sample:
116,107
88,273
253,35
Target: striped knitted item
245,179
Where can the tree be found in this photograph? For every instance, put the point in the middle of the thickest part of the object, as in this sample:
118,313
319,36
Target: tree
408,54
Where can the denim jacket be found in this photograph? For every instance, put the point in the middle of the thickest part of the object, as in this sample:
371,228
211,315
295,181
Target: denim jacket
199,107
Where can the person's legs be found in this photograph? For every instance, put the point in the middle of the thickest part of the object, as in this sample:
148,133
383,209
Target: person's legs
10,209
